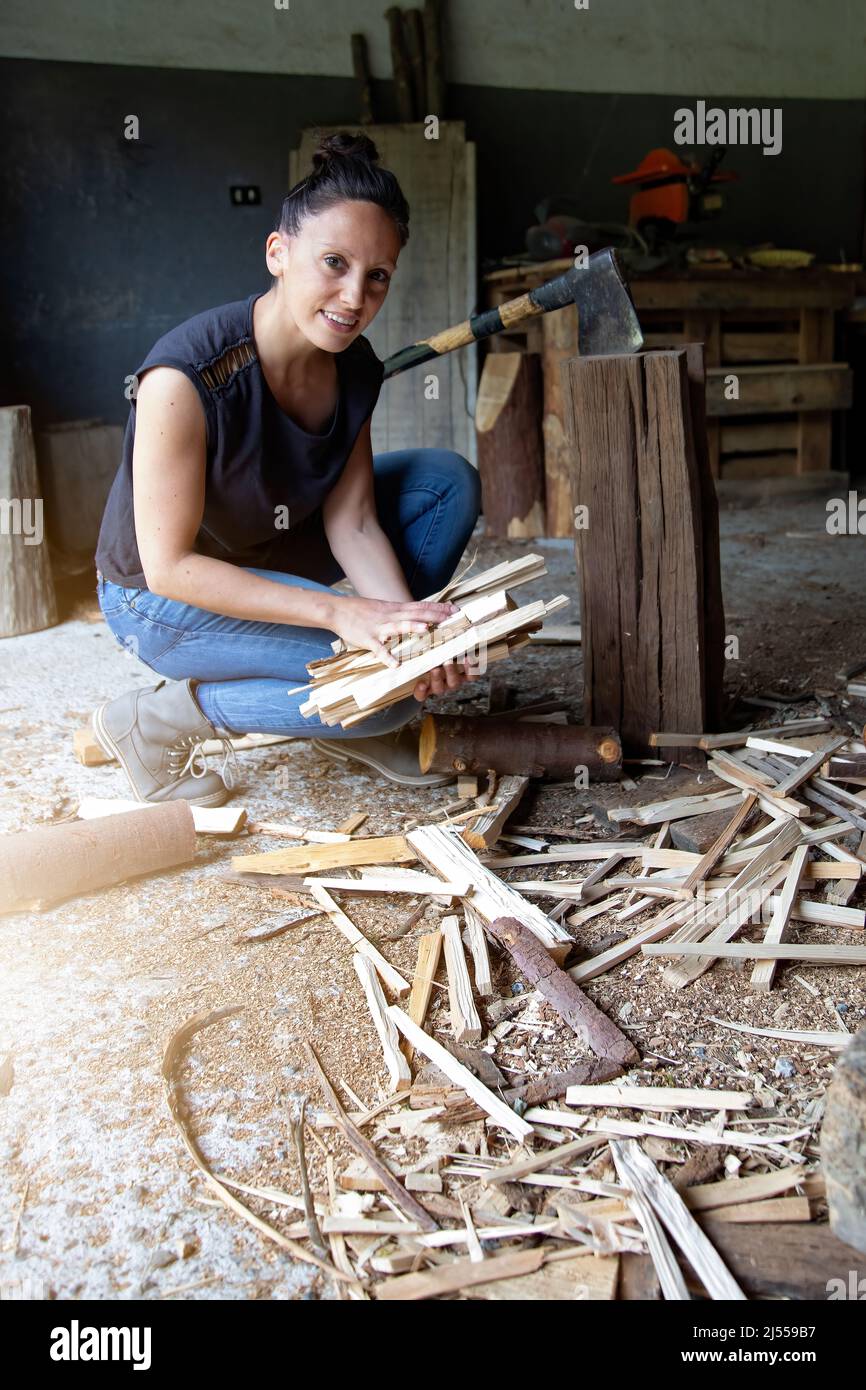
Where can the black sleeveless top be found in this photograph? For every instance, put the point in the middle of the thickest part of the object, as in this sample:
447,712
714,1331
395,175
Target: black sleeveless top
265,474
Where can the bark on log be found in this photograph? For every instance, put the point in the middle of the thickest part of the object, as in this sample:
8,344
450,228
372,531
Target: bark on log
450,743
597,1030
27,601
559,332
510,445
432,17
44,866
843,1144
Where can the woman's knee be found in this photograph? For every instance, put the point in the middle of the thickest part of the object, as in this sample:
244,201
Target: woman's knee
462,486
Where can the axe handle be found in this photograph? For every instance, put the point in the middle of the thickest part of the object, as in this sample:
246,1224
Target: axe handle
471,330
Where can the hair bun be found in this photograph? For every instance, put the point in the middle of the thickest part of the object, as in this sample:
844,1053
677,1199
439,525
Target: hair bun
343,145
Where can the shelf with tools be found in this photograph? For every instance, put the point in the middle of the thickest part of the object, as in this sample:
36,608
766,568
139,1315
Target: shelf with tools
772,379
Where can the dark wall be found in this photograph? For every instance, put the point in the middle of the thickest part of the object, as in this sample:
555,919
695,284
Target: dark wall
111,242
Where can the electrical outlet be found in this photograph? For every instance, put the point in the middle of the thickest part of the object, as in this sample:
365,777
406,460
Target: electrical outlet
245,194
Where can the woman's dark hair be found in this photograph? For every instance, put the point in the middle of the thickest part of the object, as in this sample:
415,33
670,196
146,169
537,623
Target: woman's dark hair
345,168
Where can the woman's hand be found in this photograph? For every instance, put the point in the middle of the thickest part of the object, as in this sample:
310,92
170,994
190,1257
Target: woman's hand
368,622
443,679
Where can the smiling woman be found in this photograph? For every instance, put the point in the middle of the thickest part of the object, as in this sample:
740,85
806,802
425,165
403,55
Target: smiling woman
248,487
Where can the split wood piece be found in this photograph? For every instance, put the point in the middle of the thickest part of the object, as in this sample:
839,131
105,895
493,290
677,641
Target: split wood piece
676,809
445,854
352,822
722,917
557,635
390,977
476,942
645,657
429,951
758,950
426,884
452,743
664,1260
847,805
665,922
711,1196
809,766
394,1188
571,854
730,770
560,991
467,785
389,684
843,889
485,831
27,601
843,1144
398,1067
310,859
795,728
87,751
347,714
506,575
52,863
708,861
641,1175
465,1023
658,1098
226,821
811,1037
776,1209
821,914
533,1163
510,446
634,1129
552,1085
764,972
298,832
498,1111
596,875
460,1274
574,1276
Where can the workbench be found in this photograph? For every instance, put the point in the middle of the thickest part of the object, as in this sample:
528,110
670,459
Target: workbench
773,332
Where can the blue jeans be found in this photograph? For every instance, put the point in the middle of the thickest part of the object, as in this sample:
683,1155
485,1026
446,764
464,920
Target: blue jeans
427,501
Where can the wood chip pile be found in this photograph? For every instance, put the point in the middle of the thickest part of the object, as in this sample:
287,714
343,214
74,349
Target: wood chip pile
584,1182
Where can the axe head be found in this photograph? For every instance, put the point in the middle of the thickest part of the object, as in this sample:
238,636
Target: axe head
606,317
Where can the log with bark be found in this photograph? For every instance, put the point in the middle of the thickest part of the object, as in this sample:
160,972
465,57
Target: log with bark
562,994
450,743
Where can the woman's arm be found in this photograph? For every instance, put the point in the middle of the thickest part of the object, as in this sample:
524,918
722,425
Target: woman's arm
169,469
366,556
357,541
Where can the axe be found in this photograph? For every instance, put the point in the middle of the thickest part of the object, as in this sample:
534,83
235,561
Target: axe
606,317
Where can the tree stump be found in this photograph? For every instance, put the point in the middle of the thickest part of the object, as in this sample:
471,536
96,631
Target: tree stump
843,1144
27,601
647,545
510,445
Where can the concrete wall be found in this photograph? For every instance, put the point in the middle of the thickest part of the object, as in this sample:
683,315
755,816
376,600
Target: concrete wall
781,48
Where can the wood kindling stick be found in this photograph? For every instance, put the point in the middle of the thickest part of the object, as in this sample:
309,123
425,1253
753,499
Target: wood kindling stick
764,972
395,1189
465,1023
461,1076
640,1174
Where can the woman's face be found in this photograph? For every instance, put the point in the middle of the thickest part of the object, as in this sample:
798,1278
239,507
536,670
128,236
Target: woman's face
334,275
